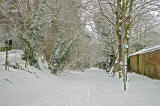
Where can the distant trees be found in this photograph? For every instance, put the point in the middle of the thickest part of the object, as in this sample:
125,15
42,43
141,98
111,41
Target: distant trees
145,32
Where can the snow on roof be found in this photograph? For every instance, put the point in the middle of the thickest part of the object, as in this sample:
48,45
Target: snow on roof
154,48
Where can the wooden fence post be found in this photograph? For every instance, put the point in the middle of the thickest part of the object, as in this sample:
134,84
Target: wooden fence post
6,62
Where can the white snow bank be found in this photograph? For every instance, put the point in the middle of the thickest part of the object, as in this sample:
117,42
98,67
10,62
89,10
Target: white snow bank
22,75
154,48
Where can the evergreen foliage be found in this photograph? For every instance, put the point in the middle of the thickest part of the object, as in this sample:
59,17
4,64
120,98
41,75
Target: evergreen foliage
60,55
37,26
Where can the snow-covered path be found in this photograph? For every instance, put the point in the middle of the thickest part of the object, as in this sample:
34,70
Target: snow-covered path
89,88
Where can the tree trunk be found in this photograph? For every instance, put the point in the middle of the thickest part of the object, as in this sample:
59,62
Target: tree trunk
120,56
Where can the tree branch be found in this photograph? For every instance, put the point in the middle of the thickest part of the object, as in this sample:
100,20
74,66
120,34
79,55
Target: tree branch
104,14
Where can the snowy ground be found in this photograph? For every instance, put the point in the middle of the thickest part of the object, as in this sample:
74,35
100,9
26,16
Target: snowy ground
90,88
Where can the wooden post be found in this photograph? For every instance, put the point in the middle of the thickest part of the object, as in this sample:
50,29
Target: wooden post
8,47
26,57
6,62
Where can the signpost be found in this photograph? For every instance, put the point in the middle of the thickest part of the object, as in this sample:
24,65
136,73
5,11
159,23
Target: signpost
126,19
123,46
8,47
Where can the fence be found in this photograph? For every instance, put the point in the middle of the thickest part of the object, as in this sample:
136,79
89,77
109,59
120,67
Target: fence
146,62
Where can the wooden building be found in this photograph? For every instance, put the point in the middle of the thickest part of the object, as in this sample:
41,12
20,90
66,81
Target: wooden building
146,62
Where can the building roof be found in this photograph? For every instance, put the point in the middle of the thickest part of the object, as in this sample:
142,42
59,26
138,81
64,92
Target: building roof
154,48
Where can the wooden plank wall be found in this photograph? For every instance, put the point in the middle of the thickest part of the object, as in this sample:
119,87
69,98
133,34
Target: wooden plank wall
147,64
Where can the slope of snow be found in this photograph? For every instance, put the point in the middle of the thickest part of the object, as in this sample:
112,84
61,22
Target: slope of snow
90,88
